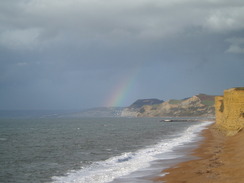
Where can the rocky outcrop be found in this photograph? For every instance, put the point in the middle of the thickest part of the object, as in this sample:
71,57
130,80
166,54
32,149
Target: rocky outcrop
229,110
219,109
134,109
130,112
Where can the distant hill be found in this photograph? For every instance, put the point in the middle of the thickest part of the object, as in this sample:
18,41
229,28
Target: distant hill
98,112
141,102
33,113
198,105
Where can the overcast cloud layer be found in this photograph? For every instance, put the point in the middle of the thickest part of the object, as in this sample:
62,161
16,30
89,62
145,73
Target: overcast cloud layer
72,54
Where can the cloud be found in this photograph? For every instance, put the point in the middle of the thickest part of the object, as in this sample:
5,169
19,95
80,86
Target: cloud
18,39
99,20
226,19
80,48
236,45
21,64
235,49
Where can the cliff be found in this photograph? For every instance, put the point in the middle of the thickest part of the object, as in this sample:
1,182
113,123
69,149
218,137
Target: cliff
141,102
199,105
133,109
129,112
229,110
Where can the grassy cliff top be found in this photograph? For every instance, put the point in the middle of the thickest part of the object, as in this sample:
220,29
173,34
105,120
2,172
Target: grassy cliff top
239,88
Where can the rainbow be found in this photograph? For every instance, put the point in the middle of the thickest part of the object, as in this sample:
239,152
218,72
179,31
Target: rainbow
122,90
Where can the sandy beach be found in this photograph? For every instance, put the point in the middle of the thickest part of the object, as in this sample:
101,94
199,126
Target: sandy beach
220,160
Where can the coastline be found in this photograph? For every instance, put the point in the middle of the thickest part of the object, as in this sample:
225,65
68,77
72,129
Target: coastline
220,159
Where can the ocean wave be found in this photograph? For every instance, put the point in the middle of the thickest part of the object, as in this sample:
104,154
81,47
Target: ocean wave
126,163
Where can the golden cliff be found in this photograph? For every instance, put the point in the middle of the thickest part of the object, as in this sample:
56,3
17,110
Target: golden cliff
193,106
199,105
229,110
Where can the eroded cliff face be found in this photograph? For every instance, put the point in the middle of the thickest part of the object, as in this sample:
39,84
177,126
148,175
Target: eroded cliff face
199,105
129,112
189,107
229,110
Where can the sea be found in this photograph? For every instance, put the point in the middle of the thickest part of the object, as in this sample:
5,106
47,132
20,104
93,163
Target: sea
92,150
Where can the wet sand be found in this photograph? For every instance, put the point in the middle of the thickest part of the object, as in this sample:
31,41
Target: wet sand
220,160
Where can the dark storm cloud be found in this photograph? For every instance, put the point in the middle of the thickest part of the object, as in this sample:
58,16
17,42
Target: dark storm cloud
53,52
39,23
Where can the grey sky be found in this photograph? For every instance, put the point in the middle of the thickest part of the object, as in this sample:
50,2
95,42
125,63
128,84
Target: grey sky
73,54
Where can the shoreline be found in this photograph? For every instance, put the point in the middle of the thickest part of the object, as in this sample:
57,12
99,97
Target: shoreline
179,153
219,159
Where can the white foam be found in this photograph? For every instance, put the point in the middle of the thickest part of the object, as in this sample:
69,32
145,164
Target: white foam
3,139
126,163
